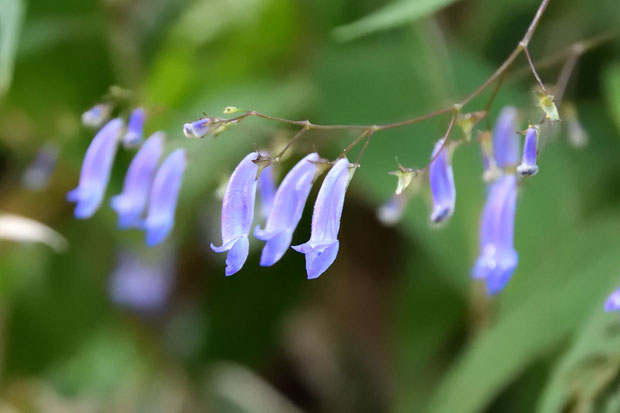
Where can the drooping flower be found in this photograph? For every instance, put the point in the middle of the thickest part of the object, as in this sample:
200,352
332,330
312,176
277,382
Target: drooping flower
498,258
130,204
96,170
288,206
142,286
266,190
95,116
197,129
135,128
506,147
442,183
530,151
238,213
322,248
36,176
163,198
613,301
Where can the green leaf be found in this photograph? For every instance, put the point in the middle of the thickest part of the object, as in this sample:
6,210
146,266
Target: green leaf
545,318
11,18
392,15
612,90
588,366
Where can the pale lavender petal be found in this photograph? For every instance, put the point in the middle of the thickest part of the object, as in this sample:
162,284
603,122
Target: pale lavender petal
506,147
288,206
238,213
442,183
322,248
135,128
37,174
266,190
96,170
130,204
95,116
163,198
528,165
613,301
197,129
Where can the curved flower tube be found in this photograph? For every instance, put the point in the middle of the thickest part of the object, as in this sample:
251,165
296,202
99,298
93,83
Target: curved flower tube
442,183
506,147
164,196
528,165
498,258
322,248
135,127
288,206
96,169
130,204
238,213
197,129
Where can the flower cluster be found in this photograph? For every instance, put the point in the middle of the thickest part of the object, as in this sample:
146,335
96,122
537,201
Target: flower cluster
149,196
284,211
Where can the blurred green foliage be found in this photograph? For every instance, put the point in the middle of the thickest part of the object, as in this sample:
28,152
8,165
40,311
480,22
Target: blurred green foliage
396,324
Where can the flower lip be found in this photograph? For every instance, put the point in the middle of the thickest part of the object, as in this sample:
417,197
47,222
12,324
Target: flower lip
528,165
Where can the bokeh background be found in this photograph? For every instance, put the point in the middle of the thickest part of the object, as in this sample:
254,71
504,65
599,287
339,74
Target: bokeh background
396,324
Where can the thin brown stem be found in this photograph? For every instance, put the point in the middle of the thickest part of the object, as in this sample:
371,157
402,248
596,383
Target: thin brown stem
289,143
533,69
366,142
564,77
355,142
445,140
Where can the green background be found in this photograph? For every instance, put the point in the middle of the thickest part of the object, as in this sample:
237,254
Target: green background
396,324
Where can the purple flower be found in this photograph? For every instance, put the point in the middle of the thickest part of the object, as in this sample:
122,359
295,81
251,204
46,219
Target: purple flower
442,183
392,210
322,248
613,301
238,213
135,127
37,174
498,258
142,286
506,148
96,170
163,200
288,205
530,151
95,116
197,129
266,190
130,204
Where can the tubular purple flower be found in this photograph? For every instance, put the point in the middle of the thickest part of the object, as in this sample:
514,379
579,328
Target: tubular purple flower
613,301
135,128
392,210
506,145
130,204
528,165
142,286
95,116
238,213
498,258
288,206
266,190
322,248
36,176
96,170
442,183
197,129
164,196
